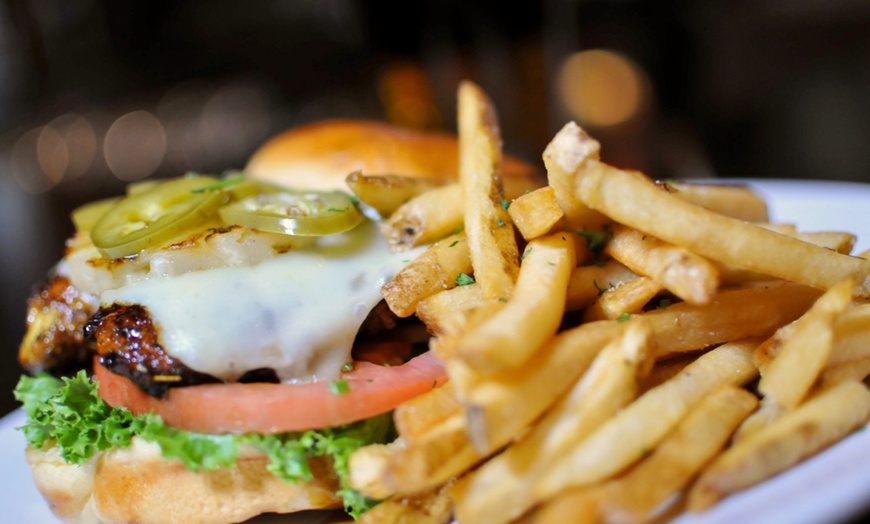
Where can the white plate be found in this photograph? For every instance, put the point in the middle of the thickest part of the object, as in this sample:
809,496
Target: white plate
830,487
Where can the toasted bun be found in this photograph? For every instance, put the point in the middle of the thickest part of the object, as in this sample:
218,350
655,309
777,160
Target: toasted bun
321,155
137,485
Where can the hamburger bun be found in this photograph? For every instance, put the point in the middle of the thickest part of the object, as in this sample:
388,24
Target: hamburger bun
137,484
321,156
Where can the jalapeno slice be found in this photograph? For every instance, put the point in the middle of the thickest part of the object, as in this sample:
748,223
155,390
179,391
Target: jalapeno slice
86,216
301,213
155,215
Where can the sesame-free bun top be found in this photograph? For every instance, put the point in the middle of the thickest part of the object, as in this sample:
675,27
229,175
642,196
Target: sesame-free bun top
321,156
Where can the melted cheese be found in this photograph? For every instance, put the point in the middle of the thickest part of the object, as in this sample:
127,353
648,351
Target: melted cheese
297,313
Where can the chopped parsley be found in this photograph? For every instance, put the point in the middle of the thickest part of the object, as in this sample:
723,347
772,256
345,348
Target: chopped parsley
500,222
231,181
623,317
602,290
505,203
464,279
595,240
339,387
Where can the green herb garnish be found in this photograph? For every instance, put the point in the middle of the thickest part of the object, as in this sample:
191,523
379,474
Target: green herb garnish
464,279
339,387
227,182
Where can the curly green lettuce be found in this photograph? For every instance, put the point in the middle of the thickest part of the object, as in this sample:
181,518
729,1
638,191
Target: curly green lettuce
69,413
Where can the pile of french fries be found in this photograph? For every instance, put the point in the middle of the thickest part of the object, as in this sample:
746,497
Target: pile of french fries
619,349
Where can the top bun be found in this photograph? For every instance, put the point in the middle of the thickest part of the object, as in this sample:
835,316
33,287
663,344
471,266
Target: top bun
320,156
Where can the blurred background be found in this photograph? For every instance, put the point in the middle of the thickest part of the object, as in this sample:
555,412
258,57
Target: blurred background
95,94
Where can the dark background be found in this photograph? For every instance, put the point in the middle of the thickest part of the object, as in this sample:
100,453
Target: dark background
96,93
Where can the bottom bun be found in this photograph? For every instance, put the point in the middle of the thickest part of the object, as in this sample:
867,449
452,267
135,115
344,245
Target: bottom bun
138,485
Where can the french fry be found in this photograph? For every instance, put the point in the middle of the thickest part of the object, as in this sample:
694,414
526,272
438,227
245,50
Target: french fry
491,239
638,428
532,315
386,193
731,315
368,467
445,313
839,241
635,496
577,506
738,201
816,424
624,298
433,507
417,416
791,374
588,282
436,269
431,460
500,407
593,378
501,489
683,273
535,213
425,218
804,350
563,157
717,237
856,370
851,335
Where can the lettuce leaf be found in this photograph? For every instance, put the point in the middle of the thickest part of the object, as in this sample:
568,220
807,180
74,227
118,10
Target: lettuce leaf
69,413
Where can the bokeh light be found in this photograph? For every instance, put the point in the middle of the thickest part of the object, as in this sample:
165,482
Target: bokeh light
603,88
135,145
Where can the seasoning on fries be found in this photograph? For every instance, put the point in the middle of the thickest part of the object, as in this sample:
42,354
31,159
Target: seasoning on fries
604,340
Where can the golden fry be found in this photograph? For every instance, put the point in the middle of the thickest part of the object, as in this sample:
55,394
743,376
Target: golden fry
417,416
499,407
386,193
532,315
724,239
425,218
589,282
435,270
446,313
433,507
818,423
731,315
534,214
625,298
685,274
738,201
705,430
501,489
638,428
492,244
564,156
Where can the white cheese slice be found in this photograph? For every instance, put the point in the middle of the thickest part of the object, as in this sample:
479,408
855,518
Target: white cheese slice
297,313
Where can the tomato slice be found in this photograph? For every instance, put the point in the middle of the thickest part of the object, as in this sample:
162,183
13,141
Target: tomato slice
364,392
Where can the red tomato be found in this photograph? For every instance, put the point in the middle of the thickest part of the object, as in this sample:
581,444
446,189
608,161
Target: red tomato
277,408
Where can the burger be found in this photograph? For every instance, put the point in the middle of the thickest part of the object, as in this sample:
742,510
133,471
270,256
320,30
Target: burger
211,348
